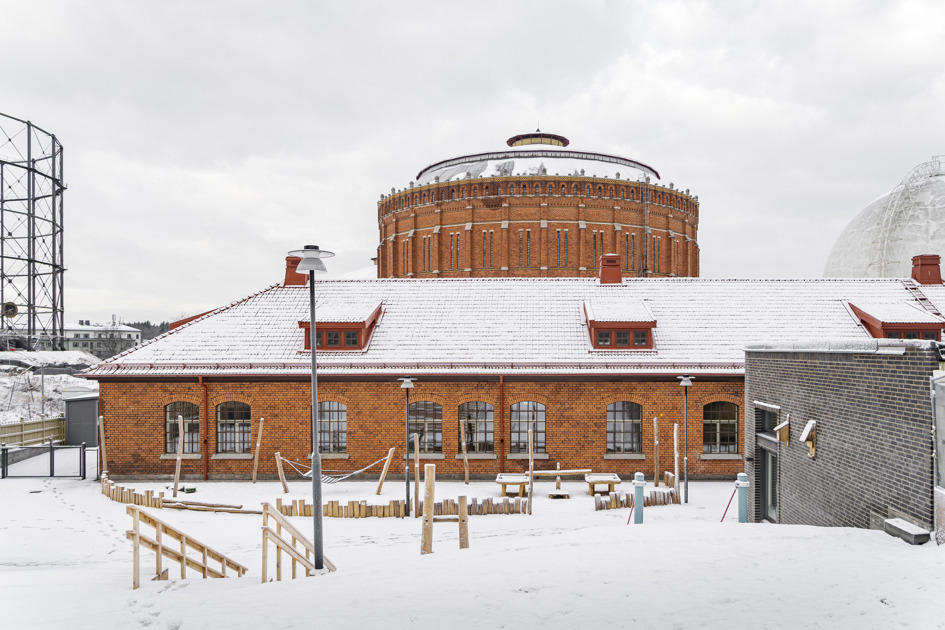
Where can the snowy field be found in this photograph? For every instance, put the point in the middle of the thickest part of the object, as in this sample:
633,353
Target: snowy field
65,563
29,395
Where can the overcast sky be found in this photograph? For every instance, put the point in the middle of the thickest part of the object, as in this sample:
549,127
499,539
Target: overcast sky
203,140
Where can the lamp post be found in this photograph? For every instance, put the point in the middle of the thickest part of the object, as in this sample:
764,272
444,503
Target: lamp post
406,383
686,382
311,262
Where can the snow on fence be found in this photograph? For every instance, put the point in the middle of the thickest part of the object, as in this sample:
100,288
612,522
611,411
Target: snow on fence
659,496
25,433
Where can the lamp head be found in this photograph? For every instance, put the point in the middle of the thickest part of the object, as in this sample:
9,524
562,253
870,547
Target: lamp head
311,257
686,380
406,382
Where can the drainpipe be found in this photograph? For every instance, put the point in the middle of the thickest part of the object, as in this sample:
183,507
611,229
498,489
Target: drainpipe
501,424
206,430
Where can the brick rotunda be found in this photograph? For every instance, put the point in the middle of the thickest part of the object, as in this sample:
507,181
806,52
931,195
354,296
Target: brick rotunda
536,209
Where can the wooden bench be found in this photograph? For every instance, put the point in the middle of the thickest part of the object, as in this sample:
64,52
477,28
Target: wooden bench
608,479
512,479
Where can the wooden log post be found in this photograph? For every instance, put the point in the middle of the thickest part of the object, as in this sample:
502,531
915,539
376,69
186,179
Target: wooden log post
462,429
101,445
463,524
656,453
426,538
531,468
390,458
676,460
136,559
180,451
259,434
416,475
285,486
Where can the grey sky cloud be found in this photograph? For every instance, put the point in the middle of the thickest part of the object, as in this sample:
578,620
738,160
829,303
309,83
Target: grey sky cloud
203,140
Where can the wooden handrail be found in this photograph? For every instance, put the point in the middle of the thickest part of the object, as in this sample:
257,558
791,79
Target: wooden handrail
162,551
283,545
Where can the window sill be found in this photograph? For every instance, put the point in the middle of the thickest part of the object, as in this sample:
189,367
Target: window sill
183,456
427,456
720,456
231,456
525,456
477,456
332,456
624,456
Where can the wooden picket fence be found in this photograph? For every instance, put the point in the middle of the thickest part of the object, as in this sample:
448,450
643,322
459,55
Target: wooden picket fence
616,500
120,494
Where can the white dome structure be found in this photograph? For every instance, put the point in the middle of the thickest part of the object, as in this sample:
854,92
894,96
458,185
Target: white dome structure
882,239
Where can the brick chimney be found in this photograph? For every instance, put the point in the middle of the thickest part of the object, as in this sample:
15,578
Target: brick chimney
610,269
292,277
926,269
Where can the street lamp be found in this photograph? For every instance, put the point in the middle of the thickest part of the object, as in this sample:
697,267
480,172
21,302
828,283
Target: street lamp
311,262
406,383
686,382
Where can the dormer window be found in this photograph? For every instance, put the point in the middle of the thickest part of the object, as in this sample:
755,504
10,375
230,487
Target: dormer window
345,327
620,325
899,320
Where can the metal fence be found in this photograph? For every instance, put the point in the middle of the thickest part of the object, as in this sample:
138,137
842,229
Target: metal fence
63,461
26,433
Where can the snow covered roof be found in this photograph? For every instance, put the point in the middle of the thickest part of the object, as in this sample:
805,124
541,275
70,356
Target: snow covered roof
902,312
506,326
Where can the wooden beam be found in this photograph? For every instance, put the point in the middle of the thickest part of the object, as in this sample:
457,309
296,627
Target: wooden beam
390,458
285,486
426,538
259,433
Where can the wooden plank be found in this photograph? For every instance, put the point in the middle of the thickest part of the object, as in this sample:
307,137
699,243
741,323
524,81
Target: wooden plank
531,467
180,451
259,434
285,486
416,475
390,458
463,524
101,444
462,429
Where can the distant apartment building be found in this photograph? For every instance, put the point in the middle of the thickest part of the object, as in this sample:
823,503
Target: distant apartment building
102,340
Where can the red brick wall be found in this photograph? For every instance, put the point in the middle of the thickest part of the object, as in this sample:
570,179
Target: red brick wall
406,221
575,419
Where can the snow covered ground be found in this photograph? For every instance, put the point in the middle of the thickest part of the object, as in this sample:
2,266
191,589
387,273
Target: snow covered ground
64,563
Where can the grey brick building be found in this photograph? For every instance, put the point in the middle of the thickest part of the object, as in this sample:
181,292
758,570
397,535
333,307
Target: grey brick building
870,413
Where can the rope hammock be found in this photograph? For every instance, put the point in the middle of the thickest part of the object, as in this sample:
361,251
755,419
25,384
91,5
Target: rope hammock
340,476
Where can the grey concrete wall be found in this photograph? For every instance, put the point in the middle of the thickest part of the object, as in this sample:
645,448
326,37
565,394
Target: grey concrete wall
874,443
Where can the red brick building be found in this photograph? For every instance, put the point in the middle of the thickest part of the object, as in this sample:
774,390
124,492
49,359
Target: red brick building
588,363
536,209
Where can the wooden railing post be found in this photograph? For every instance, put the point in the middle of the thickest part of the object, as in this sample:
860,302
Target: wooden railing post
426,539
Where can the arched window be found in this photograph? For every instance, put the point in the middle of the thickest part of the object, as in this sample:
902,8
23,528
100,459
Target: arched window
631,194
425,418
416,200
564,189
332,427
476,418
587,190
475,191
191,414
574,190
233,428
452,193
611,192
624,433
485,191
522,417
720,427
511,189
462,192
600,191
424,201
442,195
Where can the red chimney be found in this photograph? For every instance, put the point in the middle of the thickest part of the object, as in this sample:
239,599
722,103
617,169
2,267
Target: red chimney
926,269
292,277
610,269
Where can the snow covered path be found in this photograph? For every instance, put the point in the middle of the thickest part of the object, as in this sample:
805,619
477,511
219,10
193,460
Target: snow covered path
64,562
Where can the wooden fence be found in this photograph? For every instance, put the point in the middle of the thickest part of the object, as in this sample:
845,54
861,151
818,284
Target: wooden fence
120,494
25,433
659,496
398,509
